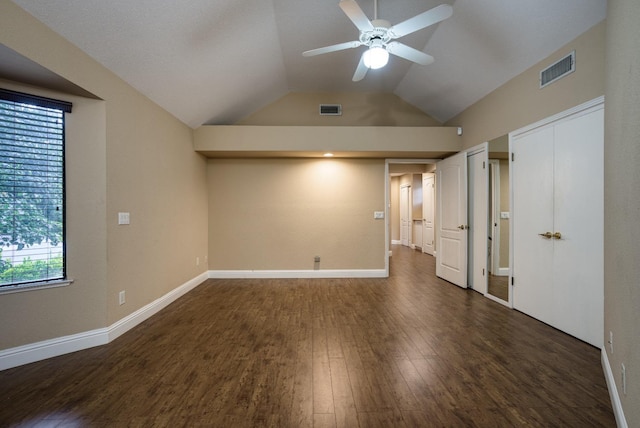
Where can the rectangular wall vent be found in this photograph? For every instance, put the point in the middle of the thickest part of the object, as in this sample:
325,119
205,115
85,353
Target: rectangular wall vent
330,110
566,65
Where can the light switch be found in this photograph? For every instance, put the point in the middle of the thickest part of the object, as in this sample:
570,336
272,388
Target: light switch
504,214
378,214
123,218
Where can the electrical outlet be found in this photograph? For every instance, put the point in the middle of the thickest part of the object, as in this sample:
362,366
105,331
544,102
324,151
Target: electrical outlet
623,373
121,297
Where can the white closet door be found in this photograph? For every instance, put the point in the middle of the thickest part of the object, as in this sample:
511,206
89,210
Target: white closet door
579,218
557,188
532,199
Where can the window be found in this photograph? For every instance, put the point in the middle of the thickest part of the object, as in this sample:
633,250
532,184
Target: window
32,203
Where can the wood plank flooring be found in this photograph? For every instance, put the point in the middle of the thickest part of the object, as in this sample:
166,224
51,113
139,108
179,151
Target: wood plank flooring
499,287
407,351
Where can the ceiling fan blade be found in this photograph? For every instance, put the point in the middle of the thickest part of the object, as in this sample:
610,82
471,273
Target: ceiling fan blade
333,48
356,15
361,70
423,20
409,53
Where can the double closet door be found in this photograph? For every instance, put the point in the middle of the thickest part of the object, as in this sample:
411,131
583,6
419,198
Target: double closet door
558,221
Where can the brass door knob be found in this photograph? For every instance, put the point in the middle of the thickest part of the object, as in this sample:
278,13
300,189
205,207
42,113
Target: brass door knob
462,227
557,235
546,235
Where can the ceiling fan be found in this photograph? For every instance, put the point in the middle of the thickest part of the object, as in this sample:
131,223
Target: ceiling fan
378,36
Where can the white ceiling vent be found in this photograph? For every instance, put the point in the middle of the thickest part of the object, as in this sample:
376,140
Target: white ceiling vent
566,65
330,109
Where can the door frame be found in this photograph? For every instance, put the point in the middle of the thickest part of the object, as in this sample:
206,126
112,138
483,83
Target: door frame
387,201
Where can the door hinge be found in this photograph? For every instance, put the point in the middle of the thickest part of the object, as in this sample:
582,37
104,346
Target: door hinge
483,165
513,156
482,271
512,281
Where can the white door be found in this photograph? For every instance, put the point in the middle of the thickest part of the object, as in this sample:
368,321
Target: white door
451,207
405,220
428,212
478,203
558,191
579,221
533,217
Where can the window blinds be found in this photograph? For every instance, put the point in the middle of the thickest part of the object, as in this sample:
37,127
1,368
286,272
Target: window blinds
31,188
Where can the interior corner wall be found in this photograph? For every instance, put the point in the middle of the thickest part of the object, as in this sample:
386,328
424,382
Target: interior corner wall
621,202
278,214
521,102
143,162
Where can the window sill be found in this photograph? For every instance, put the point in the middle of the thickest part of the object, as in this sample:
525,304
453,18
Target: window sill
35,286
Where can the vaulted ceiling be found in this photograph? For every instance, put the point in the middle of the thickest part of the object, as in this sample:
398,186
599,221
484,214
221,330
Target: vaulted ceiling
217,61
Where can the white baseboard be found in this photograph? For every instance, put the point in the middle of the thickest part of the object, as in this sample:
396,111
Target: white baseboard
621,422
120,327
396,242
321,273
503,271
18,356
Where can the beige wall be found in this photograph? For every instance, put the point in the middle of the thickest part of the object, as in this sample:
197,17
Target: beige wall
621,201
358,109
129,155
278,214
521,102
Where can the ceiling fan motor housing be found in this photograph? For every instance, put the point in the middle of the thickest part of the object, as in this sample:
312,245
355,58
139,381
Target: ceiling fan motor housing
380,32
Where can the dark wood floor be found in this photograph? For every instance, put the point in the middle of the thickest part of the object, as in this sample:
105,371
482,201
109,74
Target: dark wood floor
408,351
498,286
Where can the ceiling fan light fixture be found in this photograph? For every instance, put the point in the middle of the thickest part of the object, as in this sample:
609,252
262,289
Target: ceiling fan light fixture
378,35
376,56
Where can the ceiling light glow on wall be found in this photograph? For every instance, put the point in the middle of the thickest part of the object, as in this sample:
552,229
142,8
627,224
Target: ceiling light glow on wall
328,155
376,56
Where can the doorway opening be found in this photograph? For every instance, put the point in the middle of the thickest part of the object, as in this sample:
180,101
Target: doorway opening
407,221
